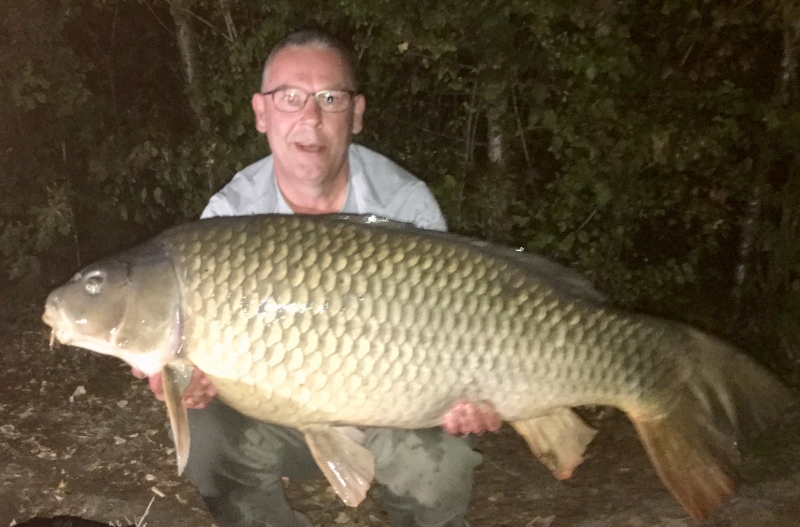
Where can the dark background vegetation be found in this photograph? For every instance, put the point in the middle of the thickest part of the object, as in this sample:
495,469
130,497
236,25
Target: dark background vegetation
651,144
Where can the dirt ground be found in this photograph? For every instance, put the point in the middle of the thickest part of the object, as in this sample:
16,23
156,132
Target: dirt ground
80,436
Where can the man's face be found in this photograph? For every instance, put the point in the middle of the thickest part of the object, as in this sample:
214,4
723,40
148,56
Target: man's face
309,145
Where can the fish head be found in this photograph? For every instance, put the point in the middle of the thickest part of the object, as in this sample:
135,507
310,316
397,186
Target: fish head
127,306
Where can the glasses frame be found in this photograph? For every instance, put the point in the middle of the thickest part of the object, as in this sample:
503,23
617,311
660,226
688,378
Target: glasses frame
272,93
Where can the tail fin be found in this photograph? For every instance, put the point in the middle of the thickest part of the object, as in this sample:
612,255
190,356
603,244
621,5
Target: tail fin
694,446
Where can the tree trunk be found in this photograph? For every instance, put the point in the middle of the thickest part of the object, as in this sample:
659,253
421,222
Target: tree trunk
495,137
181,14
497,187
225,7
791,37
747,242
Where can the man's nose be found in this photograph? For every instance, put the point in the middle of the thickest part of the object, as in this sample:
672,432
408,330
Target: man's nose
311,109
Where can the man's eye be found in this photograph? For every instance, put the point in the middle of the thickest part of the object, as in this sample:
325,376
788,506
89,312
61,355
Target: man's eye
291,96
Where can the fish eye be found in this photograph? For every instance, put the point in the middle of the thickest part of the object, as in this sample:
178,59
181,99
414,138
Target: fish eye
94,282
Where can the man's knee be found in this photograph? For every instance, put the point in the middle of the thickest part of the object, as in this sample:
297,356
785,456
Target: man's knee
237,464
426,473
229,450
208,429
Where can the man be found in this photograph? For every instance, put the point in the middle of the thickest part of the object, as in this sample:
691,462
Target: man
309,108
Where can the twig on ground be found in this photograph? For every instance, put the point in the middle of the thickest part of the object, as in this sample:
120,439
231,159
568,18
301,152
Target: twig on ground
140,523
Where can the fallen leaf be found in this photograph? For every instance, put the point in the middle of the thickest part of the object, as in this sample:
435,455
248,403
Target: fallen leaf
8,430
541,522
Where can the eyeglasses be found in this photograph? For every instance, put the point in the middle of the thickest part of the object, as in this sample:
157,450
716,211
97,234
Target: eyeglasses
294,99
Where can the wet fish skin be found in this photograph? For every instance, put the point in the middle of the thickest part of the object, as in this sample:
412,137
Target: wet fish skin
335,311
312,321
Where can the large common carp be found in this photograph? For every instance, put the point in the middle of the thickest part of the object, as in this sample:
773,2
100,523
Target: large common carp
322,322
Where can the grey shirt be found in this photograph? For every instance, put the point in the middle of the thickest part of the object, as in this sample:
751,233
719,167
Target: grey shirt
377,186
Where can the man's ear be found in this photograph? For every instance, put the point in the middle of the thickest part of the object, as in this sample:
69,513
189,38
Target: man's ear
259,104
360,104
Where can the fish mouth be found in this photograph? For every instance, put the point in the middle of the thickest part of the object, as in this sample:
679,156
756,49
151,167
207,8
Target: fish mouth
54,318
62,330
49,315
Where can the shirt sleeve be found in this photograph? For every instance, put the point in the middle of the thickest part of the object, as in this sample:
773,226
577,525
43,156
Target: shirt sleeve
384,188
423,209
218,205
248,192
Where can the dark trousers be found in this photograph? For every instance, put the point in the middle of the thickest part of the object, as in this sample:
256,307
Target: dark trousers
237,464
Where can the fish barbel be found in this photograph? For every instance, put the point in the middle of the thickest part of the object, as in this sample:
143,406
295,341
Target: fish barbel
319,322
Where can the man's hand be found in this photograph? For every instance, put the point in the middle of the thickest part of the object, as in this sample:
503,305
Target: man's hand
471,418
197,395
462,419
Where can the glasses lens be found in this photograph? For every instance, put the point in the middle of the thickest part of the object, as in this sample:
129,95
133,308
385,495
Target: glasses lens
289,99
294,99
333,100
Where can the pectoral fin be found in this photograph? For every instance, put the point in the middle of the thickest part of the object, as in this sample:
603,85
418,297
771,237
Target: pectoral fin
558,439
174,382
348,465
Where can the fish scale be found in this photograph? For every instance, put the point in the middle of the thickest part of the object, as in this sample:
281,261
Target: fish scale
314,322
